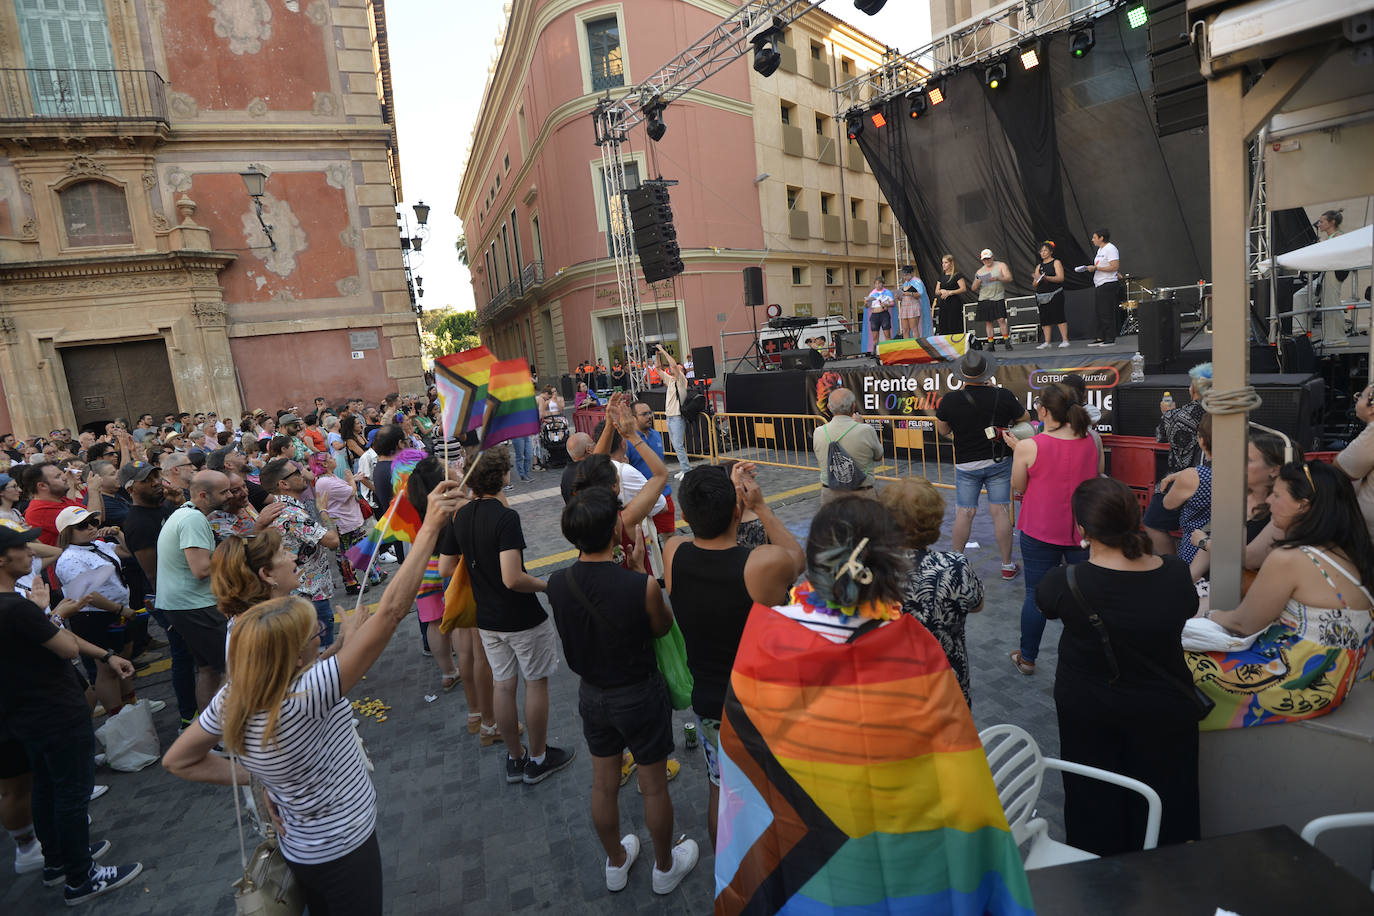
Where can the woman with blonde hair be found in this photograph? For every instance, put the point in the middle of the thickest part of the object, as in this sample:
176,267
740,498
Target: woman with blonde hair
950,291
941,589
248,571
286,720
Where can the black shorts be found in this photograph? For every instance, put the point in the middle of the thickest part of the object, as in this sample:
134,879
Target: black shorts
203,629
14,760
991,309
1052,312
877,321
1160,518
103,628
637,716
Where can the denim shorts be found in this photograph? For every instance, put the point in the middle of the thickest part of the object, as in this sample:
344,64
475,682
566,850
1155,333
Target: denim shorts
997,479
637,716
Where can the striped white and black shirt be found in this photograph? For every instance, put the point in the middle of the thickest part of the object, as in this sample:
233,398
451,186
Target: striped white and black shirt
315,772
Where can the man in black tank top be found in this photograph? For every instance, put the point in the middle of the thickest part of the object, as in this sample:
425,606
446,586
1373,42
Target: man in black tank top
713,584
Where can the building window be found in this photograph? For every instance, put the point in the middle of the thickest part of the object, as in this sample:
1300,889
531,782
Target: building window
855,207
498,183
507,163
788,111
820,125
95,213
793,197
832,276
799,276
631,182
816,51
67,48
827,203
515,231
884,214
524,131
603,49
846,66
802,309
860,277
538,240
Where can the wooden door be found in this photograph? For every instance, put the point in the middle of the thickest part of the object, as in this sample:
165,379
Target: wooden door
119,380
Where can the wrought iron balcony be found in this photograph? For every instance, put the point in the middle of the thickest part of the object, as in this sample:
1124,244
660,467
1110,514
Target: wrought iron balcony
531,276
82,95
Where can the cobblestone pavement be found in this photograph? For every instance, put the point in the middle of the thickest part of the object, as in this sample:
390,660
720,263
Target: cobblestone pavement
454,836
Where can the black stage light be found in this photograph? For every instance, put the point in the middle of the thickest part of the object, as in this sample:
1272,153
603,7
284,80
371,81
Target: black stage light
1081,41
869,7
767,58
653,114
917,104
995,75
854,124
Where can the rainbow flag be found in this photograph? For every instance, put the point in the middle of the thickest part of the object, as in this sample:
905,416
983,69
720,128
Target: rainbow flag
922,350
461,379
400,522
853,781
511,409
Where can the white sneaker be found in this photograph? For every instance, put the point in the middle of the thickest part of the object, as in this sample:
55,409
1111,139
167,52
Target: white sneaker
32,860
100,760
679,475
1063,344
97,791
154,706
1043,346
616,878
685,855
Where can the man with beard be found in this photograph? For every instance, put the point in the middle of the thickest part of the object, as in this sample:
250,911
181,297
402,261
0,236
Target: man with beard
48,488
308,532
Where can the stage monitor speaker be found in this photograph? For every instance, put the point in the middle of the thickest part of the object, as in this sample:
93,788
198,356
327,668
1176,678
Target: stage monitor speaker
804,358
847,344
704,362
753,286
568,386
1292,403
1159,331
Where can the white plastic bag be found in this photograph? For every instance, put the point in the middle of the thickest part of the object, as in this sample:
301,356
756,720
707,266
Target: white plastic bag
130,739
1203,635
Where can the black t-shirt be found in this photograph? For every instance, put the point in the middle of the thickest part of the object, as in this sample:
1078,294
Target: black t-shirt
381,484
568,478
479,532
141,527
1143,612
952,283
40,693
615,647
116,507
970,411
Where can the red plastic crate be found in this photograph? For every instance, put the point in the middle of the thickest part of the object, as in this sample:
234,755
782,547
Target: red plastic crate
1133,459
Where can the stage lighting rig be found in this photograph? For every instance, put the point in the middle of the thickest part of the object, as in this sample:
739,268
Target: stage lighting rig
869,7
767,57
1030,55
1081,41
878,118
935,91
854,124
995,74
917,104
653,117
1137,16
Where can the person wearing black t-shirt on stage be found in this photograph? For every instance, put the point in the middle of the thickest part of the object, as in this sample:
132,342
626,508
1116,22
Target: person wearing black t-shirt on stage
950,291
1048,282
517,635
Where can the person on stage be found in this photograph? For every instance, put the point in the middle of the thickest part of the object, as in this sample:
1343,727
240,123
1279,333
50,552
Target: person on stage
914,309
951,289
989,284
879,303
1107,287
1048,282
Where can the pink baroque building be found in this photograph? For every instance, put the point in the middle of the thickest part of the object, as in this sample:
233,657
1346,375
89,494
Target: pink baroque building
766,178
135,273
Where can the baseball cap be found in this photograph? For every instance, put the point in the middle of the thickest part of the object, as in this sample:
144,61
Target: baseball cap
73,515
13,534
215,460
287,418
135,471
987,253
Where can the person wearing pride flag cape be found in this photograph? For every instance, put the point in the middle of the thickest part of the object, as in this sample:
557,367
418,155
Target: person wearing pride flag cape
852,777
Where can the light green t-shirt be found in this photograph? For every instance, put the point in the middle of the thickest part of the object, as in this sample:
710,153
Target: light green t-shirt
177,589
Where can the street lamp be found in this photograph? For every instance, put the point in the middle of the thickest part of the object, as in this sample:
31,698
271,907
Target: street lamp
256,183
412,244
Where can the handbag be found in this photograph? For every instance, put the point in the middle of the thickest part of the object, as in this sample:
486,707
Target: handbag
1200,700
670,650
365,508
460,604
267,888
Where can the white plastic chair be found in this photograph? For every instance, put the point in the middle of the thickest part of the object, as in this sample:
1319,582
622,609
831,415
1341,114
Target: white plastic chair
1018,770
1320,825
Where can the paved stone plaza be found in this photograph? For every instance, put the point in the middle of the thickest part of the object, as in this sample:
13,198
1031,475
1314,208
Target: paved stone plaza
455,837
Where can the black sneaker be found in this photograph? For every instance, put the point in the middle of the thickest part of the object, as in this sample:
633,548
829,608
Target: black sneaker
55,875
102,879
555,759
1006,343
352,589
515,769
992,346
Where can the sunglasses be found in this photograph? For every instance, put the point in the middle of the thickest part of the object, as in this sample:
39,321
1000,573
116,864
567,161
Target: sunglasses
292,474
88,522
323,629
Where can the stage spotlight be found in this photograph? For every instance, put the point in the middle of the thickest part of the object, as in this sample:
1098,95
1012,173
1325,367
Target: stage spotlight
916,103
1136,16
854,124
935,92
653,114
1030,56
878,119
1081,41
870,7
994,75
767,58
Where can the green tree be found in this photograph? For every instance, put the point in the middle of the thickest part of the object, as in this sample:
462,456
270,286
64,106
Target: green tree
462,246
447,330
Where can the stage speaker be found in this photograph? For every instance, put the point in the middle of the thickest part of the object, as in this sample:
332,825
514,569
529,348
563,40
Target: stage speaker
847,344
1081,313
1159,331
753,286
704,362
568,386
1292,403
803,358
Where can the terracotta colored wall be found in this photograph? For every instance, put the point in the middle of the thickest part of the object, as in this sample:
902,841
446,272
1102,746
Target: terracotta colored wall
320,215
280,59
281,370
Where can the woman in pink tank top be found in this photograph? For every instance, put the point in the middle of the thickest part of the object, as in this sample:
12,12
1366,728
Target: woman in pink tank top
1046,469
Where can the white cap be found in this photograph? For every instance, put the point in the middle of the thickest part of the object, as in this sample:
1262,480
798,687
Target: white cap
987,253
72,515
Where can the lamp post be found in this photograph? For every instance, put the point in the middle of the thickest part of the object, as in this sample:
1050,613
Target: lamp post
256,183
412,244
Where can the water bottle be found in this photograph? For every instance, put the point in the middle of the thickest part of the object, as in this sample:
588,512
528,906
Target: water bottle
1137,367
1167,402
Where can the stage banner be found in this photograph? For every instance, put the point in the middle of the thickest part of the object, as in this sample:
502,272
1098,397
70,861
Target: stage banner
914,392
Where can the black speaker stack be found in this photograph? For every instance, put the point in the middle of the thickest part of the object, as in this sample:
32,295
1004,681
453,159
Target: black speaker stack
802,358
655,236
1292,403
1178,92
753,286
1160,334
704,362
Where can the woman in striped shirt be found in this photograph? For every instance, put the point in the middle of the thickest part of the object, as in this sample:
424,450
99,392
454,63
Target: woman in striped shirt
286,720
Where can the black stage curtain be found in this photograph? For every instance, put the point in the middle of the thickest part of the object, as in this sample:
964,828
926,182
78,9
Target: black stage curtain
1055,153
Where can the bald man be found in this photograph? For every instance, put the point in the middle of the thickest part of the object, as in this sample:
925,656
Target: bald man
183,580
579,446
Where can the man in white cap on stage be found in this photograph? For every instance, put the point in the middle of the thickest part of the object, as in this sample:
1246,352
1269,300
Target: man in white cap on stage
992,297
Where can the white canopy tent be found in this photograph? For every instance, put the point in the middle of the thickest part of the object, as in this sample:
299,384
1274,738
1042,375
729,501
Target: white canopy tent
1349,251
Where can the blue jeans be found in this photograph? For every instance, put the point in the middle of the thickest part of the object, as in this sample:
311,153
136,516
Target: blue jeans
324,609
968,484
183,665
63,774
677,432
520,445
1037,559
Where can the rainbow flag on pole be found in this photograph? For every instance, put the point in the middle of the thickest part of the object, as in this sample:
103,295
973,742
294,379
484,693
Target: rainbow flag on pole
462,382
400,522
922,350
511,409
853,781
